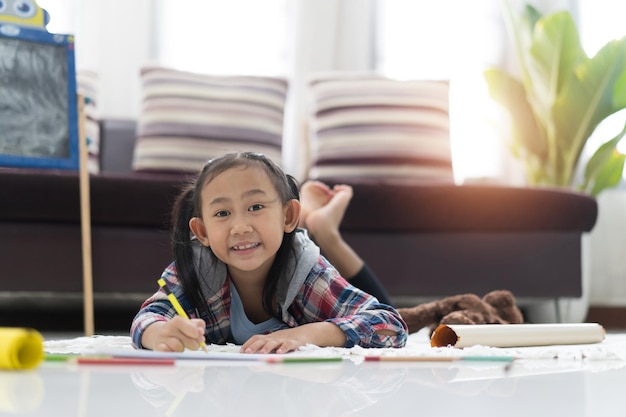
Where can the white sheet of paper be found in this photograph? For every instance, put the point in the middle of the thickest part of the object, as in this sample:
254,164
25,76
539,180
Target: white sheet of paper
211,355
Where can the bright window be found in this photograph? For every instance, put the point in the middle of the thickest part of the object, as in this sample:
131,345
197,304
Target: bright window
223,37
435,39
62,15
454,40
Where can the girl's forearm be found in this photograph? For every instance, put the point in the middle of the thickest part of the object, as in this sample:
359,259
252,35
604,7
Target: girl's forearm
324,334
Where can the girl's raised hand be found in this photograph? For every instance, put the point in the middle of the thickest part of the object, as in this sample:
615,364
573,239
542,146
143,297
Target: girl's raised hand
174,335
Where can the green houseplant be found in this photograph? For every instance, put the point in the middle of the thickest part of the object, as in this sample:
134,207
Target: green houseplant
561,97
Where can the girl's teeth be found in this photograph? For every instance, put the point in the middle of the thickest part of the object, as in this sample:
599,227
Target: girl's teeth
251,245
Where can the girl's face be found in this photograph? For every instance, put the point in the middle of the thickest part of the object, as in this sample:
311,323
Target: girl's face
243,220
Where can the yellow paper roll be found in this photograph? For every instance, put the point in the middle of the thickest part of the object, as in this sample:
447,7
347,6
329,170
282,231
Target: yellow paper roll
20,348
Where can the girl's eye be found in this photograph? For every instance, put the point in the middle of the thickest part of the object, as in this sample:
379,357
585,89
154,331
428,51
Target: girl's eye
256,207
221,213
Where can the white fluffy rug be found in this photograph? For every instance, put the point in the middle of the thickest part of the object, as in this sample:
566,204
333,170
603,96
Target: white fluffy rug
612,349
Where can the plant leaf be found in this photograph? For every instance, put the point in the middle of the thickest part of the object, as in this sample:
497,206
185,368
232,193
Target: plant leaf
552,60
567,94
619,94
605,167
521,32
553,57
588,100
510,93
610,173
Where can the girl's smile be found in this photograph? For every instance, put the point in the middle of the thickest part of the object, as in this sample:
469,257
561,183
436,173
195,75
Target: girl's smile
244,247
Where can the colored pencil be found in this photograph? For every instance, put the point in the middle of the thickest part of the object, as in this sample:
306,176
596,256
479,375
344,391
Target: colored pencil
439,358
303,360
59,357
179,308
107,360
122,361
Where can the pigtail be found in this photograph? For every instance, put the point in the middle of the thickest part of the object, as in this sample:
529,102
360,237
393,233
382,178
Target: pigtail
294,187
182,247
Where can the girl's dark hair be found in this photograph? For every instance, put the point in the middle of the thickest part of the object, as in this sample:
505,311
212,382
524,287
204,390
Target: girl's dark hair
189,204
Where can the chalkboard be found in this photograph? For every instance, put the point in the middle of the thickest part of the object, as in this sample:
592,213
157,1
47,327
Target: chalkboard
38,103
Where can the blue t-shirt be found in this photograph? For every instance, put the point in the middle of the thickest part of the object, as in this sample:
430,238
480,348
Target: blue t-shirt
241,327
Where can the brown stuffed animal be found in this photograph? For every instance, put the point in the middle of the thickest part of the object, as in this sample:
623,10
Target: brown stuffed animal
496,307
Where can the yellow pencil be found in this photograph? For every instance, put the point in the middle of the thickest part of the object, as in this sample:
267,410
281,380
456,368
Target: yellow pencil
179,309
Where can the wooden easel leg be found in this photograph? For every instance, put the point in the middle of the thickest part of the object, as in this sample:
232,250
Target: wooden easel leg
85,217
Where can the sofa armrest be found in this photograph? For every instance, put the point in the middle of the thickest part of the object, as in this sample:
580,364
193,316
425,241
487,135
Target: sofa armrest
117,144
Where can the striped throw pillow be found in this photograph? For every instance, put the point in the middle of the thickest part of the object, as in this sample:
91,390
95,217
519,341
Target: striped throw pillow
188,118
367,128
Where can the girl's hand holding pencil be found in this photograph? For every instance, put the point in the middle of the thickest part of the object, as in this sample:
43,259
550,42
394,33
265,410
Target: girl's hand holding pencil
177,334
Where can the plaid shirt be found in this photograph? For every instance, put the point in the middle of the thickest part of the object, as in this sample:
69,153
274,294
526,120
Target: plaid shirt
324,296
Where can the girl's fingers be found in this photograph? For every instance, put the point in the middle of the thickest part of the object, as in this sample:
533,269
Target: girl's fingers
171,344
182,333
267,344
284,348
258,344
201,326
191,329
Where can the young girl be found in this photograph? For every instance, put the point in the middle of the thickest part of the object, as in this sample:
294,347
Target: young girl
246,274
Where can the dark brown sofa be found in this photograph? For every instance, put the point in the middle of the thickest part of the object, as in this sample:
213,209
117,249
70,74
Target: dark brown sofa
436,240
423,241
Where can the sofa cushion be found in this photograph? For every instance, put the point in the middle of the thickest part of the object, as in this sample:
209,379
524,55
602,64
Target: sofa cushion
188,118
369,128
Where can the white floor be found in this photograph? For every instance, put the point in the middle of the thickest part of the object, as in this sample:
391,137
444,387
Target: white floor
531,387
333,389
